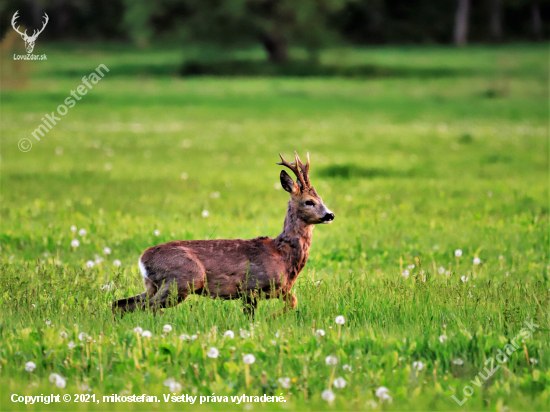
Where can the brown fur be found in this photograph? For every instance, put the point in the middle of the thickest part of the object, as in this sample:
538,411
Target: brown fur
232,269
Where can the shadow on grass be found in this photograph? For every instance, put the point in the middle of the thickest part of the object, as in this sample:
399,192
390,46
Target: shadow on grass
308,69
352,171
250,68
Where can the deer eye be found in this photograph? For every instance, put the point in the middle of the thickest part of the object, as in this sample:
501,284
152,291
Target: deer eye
310,203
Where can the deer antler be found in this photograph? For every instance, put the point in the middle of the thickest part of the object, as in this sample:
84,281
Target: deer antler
36,33
14,18
295,166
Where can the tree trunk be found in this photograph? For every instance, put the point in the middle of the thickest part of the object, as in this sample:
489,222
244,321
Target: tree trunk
495,25
276,48
462,18
536,20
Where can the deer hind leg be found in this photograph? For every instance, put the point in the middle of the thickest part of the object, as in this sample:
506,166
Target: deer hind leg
250,304
190,278
122,306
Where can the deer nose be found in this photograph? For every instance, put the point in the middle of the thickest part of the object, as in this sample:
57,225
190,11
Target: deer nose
329,217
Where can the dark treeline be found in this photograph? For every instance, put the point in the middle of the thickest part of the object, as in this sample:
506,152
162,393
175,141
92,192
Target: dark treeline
276,24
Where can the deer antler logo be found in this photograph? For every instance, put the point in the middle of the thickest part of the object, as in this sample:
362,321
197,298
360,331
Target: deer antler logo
29,40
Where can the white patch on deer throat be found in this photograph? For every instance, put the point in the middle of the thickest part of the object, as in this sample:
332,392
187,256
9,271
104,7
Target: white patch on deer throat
142,269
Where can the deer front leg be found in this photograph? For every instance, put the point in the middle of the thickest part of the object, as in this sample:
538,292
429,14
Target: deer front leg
290,303
250,304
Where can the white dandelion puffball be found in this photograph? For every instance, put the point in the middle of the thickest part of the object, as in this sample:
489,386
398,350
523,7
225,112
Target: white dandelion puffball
116,263
173,385
532,360
331,360
183,336
205,213
411,266
156,232
82,232
193,337
58,380
244,334
386,398
146,334
328,395
458,253
71,345
167,328
82,336
442,338
75,243
382,390
319,332
418,365
229,334
340,383
90,264
285,382
340,320
73,228
406,273
464,279
107,250
30,366
213,353
346,367
249,359
458,362
63,334
441,270
477,261
138,330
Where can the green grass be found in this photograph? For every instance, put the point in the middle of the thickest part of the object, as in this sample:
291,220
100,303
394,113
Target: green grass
415,166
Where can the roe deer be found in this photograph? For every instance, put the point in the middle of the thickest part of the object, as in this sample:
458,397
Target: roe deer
233,269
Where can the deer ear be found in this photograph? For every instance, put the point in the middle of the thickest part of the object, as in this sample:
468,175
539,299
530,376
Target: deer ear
288,184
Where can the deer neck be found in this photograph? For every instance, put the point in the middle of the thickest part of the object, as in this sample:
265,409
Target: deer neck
293,244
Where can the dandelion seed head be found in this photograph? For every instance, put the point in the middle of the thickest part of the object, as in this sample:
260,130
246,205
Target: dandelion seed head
82,232
213,353
340,320
418,365
477,261
146,334
229,334
328,395
249,359
442,338
331,360
90,264
284,382
30,366
205,213
340,383
167,328
116,263
107,251
75,243
458,253
138,330
319,332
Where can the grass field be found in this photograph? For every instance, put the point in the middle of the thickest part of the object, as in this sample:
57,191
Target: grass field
447,150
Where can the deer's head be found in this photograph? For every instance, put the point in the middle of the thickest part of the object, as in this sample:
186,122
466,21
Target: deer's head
305,201
29,40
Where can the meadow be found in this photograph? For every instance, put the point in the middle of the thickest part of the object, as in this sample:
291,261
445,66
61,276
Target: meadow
436,166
